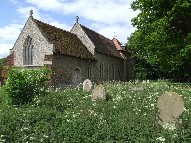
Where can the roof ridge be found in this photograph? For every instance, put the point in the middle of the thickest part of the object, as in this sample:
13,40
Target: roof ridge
52,26
65,42
102,43
95,32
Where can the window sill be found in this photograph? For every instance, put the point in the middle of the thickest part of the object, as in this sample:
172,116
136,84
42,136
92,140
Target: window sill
30,66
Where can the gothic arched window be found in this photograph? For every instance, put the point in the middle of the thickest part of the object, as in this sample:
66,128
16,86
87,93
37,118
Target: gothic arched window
28,52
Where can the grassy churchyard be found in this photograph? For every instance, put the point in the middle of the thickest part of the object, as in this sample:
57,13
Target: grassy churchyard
128,115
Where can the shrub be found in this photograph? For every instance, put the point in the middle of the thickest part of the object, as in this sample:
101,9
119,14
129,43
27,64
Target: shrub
69,116
2,62
23,85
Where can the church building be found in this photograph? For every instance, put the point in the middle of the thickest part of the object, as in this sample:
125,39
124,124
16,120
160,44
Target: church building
73,56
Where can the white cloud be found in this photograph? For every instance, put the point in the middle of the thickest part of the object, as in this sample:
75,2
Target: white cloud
103,16
8,35
14,1
4,49
111,31
110,13
10,32
24,12
53,5
115,13
59,25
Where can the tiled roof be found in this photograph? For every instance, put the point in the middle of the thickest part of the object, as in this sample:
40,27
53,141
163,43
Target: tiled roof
117,44
102,44
64,41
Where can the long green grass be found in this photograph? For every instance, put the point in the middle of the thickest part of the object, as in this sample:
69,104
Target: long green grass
128,115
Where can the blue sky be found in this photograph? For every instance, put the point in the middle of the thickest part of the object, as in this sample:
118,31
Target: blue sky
107,17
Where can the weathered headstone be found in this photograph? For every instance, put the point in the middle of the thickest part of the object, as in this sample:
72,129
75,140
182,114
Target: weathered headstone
87,85
98,93
137,87
171,106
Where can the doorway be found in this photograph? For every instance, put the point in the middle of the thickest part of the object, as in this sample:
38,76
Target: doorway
76,77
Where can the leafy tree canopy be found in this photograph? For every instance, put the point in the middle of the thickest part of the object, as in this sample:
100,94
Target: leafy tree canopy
163,36
2,61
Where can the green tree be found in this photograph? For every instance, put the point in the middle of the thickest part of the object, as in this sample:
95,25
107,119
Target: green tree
162,40
2,61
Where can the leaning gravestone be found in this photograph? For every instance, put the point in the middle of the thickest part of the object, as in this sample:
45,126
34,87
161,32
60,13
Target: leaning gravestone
171,106
98,93
87,85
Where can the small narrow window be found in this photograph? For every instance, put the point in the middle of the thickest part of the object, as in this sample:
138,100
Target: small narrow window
109,73
113,72
28,51
89,71
101,70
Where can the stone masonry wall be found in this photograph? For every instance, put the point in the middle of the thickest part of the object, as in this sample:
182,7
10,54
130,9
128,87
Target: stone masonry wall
108,61
63,66
76,29
41,45
121,71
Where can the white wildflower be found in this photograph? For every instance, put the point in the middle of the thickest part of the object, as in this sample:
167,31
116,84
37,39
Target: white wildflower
175,135
169,126
143,81
45,136
161,139
91,111
74,115
32,138
185,109
2,140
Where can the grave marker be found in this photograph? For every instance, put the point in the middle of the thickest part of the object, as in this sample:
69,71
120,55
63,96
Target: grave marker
87,85
98,93
171,106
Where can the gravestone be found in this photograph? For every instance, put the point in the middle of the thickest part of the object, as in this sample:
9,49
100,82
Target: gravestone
137,88
98,93
171,106
87,85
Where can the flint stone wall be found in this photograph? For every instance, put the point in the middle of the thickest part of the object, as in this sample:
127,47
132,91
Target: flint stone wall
41,45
